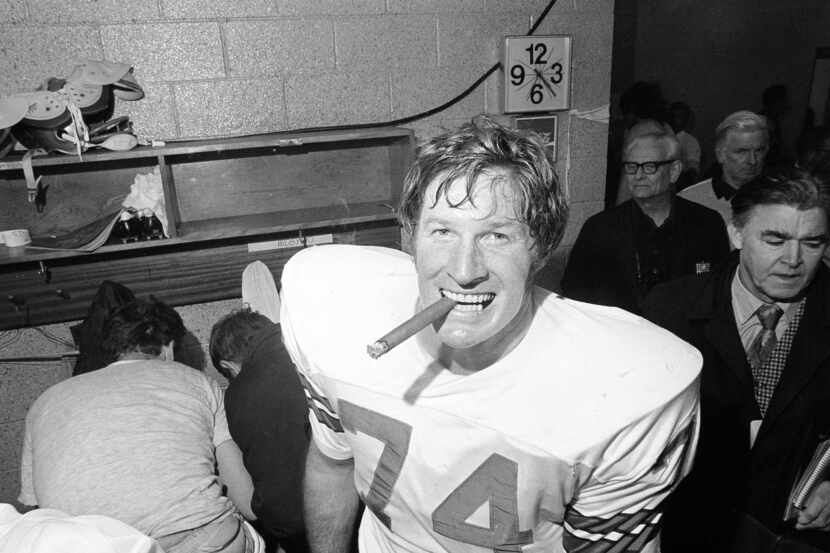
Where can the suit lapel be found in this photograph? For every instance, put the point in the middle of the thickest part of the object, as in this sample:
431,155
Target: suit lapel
810,347
713,310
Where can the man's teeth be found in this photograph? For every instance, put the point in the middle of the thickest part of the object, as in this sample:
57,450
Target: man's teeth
469,302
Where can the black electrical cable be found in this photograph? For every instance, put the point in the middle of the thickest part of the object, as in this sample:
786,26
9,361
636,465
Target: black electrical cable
442,107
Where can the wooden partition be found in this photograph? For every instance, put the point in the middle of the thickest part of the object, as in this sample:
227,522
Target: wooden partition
228,202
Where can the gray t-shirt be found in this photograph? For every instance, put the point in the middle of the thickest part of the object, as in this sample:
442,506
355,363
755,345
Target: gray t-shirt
134,441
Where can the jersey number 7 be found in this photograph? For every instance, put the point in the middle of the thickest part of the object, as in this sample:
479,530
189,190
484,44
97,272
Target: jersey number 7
494,481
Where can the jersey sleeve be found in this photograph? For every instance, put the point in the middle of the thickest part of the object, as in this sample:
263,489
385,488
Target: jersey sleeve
326,429
620,503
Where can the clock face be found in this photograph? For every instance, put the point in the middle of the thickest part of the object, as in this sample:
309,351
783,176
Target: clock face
537,73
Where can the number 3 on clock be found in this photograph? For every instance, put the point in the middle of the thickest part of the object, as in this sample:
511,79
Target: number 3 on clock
537,73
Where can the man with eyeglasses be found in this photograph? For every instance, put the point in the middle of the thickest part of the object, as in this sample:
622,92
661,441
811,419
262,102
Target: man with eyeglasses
623,252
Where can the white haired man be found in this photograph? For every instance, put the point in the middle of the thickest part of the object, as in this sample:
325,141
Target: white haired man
741,146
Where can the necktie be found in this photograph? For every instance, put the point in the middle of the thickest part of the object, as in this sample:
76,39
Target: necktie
765,342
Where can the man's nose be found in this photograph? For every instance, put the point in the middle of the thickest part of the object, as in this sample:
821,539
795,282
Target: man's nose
752,157
468,267
792,255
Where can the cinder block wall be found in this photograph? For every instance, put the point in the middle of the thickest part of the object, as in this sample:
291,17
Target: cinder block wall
227,67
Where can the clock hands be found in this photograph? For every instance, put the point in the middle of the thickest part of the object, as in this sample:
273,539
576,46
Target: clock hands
541,77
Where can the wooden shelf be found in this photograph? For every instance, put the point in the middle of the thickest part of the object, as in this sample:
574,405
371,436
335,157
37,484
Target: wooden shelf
225,201
223,229
13,162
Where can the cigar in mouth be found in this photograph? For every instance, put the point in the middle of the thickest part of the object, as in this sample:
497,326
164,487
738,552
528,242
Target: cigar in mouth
411,327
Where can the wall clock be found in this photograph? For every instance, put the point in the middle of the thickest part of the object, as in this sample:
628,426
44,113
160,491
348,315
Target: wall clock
537,73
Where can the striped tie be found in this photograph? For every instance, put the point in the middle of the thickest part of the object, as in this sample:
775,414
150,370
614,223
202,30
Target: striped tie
765,342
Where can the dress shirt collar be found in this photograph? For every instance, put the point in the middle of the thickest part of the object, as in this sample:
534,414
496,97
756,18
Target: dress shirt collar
722,189
745,304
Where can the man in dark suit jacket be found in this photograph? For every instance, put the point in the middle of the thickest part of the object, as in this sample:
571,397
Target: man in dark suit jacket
622,253
762,322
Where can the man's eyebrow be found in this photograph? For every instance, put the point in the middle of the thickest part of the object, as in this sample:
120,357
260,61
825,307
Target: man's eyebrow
787,236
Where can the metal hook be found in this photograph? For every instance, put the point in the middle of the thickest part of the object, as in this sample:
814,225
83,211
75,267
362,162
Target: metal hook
44,272
40,195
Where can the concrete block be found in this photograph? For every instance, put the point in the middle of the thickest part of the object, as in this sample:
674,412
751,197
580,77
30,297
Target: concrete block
534,7
434,125
165,51
419,91
579,213
219,108
153,116
198,9
587,6
267,48
337,98
480,37
32,53
9,486
11,436
99,11
586,180
589,139
330,7
435,6
590,84
550,276
372,43
12,11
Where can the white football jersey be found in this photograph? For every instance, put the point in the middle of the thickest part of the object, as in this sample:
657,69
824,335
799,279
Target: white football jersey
568,443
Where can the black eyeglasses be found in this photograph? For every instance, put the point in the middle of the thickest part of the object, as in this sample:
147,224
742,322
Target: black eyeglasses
648,167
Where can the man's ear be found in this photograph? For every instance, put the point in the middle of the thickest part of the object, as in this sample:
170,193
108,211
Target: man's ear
720,153
675,169
735,236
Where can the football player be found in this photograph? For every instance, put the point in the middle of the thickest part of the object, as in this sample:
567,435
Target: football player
521,420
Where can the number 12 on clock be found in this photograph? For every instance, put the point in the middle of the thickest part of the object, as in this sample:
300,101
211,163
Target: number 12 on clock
537,73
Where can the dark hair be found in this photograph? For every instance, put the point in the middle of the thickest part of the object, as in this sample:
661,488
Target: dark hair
144,326
791,186
230,337
477,148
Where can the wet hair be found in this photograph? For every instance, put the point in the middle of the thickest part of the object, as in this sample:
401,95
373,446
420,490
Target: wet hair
144,326
791,186
743,121
230,337
654,130
486,147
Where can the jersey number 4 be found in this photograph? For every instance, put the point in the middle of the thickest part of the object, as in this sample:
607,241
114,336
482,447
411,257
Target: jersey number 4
494,481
